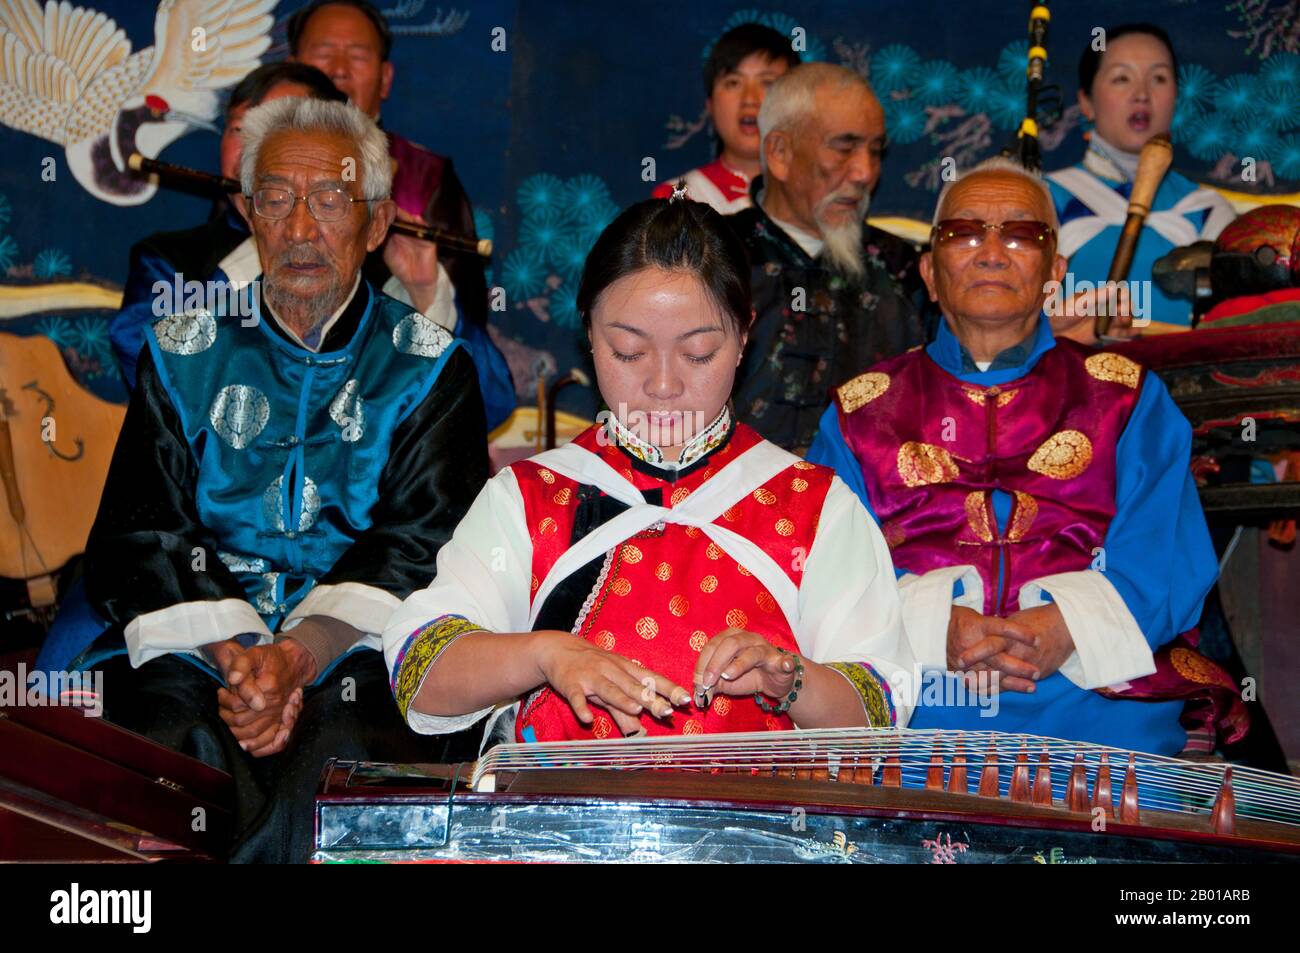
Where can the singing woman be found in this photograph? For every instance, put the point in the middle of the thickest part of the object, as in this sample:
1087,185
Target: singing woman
1128,91
669,571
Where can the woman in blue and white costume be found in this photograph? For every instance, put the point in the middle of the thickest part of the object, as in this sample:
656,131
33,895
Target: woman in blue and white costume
1129,90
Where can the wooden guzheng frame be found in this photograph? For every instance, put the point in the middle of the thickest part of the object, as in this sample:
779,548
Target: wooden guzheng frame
76,788
843,795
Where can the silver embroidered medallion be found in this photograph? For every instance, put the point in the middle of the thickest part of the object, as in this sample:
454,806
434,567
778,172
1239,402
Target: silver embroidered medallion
189,333
266,602
348,411
273,505
237,563
416,334
239,413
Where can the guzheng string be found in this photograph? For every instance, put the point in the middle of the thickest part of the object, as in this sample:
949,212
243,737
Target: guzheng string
1167,784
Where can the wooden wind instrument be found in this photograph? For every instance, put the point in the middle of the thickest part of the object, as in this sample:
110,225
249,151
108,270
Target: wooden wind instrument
169,174
1153,162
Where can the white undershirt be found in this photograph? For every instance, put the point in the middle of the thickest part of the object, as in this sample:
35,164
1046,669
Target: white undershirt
810,243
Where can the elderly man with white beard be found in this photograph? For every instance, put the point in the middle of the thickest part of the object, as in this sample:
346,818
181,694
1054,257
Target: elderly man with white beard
831,293
285,476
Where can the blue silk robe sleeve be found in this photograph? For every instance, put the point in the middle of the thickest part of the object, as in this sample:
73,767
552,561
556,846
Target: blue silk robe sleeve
1159,556
126,330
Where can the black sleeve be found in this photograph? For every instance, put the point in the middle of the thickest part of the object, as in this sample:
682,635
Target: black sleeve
436,466
148,549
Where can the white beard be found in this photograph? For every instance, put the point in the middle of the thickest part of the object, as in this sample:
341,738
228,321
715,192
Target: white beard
843,242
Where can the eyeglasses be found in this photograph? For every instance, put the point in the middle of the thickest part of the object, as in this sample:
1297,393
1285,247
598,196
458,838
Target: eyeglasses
325,205
970,233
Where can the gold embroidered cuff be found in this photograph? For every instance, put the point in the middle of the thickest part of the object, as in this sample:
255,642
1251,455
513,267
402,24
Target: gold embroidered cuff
872,689
421,650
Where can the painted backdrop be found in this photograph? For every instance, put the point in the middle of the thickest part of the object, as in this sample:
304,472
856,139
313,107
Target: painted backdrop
551,134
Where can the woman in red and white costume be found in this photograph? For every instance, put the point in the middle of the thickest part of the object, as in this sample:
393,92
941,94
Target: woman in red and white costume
669,571
741,66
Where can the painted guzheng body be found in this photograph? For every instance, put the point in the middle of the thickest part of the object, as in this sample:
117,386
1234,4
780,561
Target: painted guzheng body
835,795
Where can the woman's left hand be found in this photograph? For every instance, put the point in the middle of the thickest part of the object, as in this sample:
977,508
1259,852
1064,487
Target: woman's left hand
736,662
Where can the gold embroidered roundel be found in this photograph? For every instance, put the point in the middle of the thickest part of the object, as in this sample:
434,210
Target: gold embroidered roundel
1114,368
977,516
1062,456
1193,666
862,390
921,464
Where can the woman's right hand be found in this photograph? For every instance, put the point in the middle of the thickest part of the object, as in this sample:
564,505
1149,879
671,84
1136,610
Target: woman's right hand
579,671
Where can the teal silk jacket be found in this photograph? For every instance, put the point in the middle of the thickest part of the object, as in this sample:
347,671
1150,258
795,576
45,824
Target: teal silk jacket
290,443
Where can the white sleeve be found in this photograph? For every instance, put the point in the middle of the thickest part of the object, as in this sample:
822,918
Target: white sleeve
849,607
442,311
1109,647
483,576
927,608
188,626
366,608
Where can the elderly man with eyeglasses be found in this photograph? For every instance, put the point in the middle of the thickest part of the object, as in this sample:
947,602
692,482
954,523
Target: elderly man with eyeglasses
1036,497
285,476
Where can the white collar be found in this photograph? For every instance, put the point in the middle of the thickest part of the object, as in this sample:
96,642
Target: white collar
700,445
1103,159
812,245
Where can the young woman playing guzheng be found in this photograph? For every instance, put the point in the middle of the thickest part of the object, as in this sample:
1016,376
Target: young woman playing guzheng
669,571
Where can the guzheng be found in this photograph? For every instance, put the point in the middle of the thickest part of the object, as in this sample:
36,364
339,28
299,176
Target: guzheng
832,795
76,788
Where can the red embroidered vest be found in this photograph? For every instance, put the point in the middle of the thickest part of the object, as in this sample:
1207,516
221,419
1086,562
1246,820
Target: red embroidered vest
665,592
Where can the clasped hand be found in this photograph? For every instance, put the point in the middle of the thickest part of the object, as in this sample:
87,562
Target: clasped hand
1021,649
262,698
734,662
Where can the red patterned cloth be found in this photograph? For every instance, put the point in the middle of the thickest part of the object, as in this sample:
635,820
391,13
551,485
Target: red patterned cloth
664,593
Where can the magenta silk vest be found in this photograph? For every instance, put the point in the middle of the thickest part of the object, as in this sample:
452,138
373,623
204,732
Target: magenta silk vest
932,448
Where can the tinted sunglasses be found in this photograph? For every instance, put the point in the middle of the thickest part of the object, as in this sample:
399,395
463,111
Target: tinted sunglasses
970,232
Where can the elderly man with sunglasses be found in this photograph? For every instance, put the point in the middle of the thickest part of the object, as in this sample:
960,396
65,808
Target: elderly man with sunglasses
287,471
1036,498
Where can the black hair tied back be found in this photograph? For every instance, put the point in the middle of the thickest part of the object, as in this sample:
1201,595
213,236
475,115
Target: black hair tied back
672,235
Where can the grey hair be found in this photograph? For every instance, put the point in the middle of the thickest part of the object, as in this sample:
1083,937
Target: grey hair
793,98
1009,166
304,115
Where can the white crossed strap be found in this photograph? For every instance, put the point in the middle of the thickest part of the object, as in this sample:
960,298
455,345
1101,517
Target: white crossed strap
735,481
1111,208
